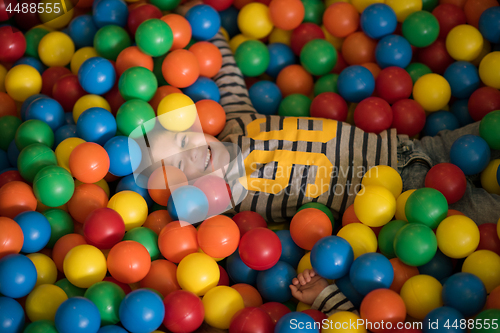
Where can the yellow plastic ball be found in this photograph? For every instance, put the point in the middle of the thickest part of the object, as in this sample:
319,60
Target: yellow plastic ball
385,176
489,70
484,51
64,149
198,273
432,92
335,41
46,269
302,307
401,204
3,73
375,205
177,112
131,206
56,49
89,101
61,14
254,20
361,237
457,236
421,294
102,184
328,3
221,304
23,81
236,41
80,56
280,36
489,179
403,8
341,322
485,265
464,43
360,5
43,302
84,265
304,263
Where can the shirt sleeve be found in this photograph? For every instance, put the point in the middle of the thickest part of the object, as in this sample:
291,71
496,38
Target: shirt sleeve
332,300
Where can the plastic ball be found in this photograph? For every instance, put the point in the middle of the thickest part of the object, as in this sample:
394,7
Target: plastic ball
393,50
432,91
161,277
89,162
45,268
437,318
163,181
295,105
470,153
203,88
131,206
137,83
109,12
294,79
483,101
439,121
371,271
488,129
177,112
218,236
84,265
47,110
489,239
421,28
16,197
86,199
303,34
18,277
286,15
198,273
77,314
145,237
154,37
375,205
290,252
457,236
332,257
13,45
415,244
393,84
33,158
132,114
188,203
308,226
378,20
341,19
426,206
110,41
255,21
221,304
402,273
465,292
266,97
238,271
252,57
36,231
488,70
180,68
253,319
387,235
355,83
404,8
12,238
177,240
22,81
273,284
184,311
275,310
448,179
103,228
125,155
464,42
43,302
373,115
421,294
12,318
463,78
318,57
251,297
82,31
141,311
181,30
485,265
383,305
61,224
96,75
260,249
53,186
360,236
128,262
56,49
204,20
338,320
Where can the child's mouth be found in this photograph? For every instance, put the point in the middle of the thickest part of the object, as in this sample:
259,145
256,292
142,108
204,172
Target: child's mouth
208,158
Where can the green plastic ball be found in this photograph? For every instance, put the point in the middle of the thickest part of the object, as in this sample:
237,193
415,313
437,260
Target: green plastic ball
34,158
295,105
53,186
421,28
318,57
157,63
107,296
252,57
489,129
426,206
41,326
387,235
133,114
61,224
429,5
137,83
70,289
326,83
490,316
154,37
417,70
8,128
415,244
314,10
322,208
147,237
110,40
33,38
291,305
165,4
34,131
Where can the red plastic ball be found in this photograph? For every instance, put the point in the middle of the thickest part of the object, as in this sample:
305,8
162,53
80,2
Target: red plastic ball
103,228
50,77
10,176
8,106
67,90
275,310
219,5
253,320
474,8
448,16
303,34
340,65
215,189
483,101
13,44
408,117
140,14
260,249
329,105
184,312
248,220
317,315
28,20
114,98
435,56
448,179
373,114
4,14
128,262
224,277
488,238
393,84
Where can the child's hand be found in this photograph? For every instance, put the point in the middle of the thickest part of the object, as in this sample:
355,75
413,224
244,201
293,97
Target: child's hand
307,286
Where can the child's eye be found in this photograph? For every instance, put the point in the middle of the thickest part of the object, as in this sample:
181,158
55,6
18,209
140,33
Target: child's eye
179,166
183,143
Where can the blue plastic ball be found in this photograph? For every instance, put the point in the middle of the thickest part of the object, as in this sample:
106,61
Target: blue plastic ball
371,271
64,132
291,253
489,24
203,88
139,185
82,31
27,102
188,203
266,97
229,21
393,50
355,83
461,110
347,288
141,311
111,329
436,320
33,62
464,292
124,154
273,284
440,120
204,20
96,125
17,275
11,316
13,153
110,12
77,315
440,267
238,271
470,153
281,56
47,110
4,160
96,75
463,78
498,175
296,322
378,20
332,257
68,118
36,231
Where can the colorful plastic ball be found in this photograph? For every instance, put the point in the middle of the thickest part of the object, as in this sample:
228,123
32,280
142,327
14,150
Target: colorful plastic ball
318,57
266,97
300,319
436,320
9,125
375,205
61,224
238,271
109,12
329,105
252,319
295,105
488,24
255,20
382,175
47,110
290,252
18,277
421,294
361,238
286,15
132,114
485,265
188,203
432,91
33,62
96,75
64,132
488,129
308,226
180,68
464,43
275,310
33,158
176,240
82,31
341,19
22,81
393,84
488,70
303,34
43,302
383,305
470,153
198,273
131,206
203,88
67,91
252,57
221,304
463,78
56,49
89,162
440,267
273,284
218,236
387,235
457,236
489,239
146,237
46,326
294,79
63,246
247,220
137,83
402,273
281,56
332,257
260,249
13,45
371,271
84,265
142,311
154,37
53,186
464,292
426,206
33,131
373,115
204,20
184,311
448,179
110,40
415,244
482,101
181,30
128,261
45,268
36,231
77,314
439,121
421,28
355,83
378,20
86,199
393,50
12,237
161,277
125,155
103,228
16,197
12,318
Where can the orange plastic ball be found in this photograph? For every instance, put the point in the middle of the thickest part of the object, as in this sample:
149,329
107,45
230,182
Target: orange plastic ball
180,68
349,216
7,105
251,296
358,49
160,93
287,14
177,240
62,247
218,236
133,57
383,304
163,181
161,277
11,237
474,8
458,3
157,220
308,226
241,3
493,300
16,197
211,115
129,262
209,58
181,30
402,273
373,68
341,19
452,212
89,162
86,199
294,79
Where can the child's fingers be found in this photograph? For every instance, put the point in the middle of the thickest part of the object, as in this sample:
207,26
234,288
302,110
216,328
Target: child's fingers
295,281
294,289
301,278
